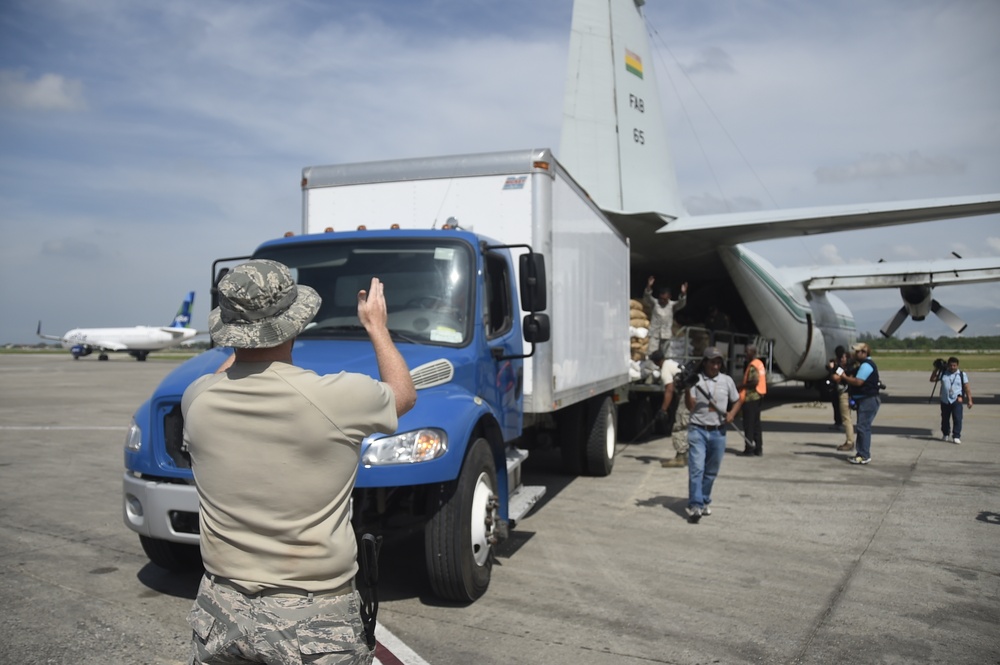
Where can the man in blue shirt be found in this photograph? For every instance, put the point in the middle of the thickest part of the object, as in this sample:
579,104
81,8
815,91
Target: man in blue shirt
955,395
863,388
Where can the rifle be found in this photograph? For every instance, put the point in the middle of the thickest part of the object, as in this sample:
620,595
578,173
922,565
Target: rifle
368,584
720,411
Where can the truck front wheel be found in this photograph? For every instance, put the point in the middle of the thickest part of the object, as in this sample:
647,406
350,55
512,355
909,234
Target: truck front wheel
460,536
175,557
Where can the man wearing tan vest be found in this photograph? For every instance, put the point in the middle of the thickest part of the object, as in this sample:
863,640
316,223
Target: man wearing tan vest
752,391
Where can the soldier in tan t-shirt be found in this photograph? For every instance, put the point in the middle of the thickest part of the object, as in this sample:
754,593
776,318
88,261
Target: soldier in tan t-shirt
274,450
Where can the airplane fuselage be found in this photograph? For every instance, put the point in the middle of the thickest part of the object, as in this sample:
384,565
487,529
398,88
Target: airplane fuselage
806,327
138,338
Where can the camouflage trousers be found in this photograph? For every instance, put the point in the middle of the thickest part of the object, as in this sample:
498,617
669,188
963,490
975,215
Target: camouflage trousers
230,627
679,435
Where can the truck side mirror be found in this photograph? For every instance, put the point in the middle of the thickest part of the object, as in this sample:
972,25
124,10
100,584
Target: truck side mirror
536,328
532,270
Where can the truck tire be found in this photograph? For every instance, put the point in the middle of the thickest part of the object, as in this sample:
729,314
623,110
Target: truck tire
175,557
460,536
602,435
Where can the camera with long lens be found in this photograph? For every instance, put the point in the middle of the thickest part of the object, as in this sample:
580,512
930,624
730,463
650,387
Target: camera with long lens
827,387
688,376
940,365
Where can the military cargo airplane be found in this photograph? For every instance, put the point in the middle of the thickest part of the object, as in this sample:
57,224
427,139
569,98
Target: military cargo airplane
614,142
138,341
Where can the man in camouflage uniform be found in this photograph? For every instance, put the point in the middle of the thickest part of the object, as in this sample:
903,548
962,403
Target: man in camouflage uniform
274,451
669,371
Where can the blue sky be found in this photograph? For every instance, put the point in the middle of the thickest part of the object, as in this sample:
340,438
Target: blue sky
143,140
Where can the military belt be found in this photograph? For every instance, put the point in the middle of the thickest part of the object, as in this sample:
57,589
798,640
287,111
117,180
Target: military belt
281,592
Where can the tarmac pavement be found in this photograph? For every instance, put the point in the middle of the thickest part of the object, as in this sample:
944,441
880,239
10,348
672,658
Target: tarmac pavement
805,559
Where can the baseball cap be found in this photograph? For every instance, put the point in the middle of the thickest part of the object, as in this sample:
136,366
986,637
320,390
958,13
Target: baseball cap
712,352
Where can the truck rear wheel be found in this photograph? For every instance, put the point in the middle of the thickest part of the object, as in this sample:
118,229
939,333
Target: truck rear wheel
602,435
175,557
460,536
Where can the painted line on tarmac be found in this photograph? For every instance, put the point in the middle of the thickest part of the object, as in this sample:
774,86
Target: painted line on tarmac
390,650
61,427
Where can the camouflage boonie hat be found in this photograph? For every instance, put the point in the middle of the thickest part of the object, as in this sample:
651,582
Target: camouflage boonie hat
261,306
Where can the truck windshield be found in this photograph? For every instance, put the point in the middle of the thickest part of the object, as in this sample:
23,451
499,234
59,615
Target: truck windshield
427,286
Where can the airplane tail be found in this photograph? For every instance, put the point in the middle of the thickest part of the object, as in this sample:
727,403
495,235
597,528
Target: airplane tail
183,316
614,139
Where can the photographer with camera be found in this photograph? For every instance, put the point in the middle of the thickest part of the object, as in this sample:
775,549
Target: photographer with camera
842,400
707,398
862,388
955,395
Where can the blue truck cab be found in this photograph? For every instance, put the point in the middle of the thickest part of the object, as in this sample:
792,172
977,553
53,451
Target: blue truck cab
454,311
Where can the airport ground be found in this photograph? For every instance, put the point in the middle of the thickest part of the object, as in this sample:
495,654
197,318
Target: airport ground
806,559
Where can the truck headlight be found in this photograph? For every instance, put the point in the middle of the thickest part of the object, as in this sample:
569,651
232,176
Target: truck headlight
417,446
133,439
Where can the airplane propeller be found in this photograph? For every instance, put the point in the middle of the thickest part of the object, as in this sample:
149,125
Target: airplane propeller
917,302
892,325
949,317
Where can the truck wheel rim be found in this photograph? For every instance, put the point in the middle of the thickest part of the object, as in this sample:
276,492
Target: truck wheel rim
610,437
482,519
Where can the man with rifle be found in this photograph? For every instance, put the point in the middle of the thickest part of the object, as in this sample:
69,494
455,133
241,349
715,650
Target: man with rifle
713,402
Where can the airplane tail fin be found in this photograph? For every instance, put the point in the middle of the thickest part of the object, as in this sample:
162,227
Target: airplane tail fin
614,136
183,317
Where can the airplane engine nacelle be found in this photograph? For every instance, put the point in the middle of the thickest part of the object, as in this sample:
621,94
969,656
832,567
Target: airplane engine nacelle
916,300
79,351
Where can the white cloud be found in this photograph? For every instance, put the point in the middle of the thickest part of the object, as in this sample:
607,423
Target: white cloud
712,59
890,166
830,255
49,92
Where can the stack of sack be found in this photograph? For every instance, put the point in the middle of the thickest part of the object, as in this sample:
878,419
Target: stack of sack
639,333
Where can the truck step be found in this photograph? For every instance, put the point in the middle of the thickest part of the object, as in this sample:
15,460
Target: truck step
522,501
515,456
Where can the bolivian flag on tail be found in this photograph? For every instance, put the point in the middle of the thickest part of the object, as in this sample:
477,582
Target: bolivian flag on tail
633,63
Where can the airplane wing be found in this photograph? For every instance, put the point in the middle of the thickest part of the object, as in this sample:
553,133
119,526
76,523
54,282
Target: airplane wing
915,281
179,333
905,273
691,241
43,336
107,345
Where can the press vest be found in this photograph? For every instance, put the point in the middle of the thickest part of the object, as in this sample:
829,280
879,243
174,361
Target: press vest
870,387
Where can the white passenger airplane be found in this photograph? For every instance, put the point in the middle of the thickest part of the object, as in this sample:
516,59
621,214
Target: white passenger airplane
138,340
614,142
